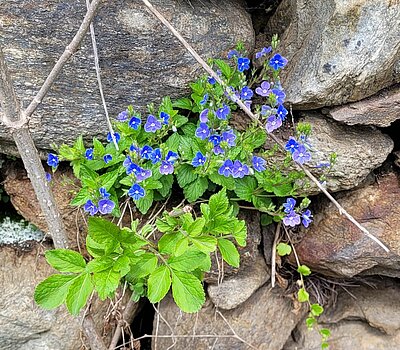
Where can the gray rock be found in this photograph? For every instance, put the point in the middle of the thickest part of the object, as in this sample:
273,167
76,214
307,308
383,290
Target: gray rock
235,290
265,321
338,51
23,325
380,110
140,60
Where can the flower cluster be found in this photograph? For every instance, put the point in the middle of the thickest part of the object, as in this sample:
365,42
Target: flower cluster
299,151
295,216
104,205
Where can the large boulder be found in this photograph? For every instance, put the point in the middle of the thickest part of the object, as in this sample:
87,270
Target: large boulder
140,60
339,51
334,246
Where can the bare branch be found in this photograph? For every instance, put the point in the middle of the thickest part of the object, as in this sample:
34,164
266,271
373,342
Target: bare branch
210,71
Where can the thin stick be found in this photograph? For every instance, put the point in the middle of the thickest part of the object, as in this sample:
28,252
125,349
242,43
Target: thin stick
273,255
210,71
97,66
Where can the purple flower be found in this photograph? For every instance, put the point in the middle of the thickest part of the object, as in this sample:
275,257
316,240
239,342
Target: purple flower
164,117
152,124
223,112
281,112
204,116
199,160
246,93
292,219
156,156
203,131
279,96
226,168
89,154
107,158
106,206
264,89
239,170
204,100
273,123
146,152
229,137
166,168
289,205
306,218
264,51
215,139
300,155
104,193
291,145
218,150
277,61
116,136
171,157
48,177
258,163
123,116
211,80
127,161
143,174
134,123
243,64
232,53
136,192
90,208
52,160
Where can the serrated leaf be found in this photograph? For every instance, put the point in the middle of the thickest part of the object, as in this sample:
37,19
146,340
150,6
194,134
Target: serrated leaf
52,292
224,67
108,179
183,103
167,242
65,260
304,270
229,252
195,190
103,231
78,293
173,142
239,232
99,264
98,148
147,263
95,249
164,226
196,227
181,246
205,244
185,175
166,181
145,203
106,282
122,265
81,197
218,203
189,261
187,291
283,249
302,295
227,182
244,188
158,284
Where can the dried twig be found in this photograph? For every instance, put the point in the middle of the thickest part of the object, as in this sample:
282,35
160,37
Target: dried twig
210,71
273,255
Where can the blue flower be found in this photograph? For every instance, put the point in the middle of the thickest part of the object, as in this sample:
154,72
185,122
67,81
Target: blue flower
171,157
152,124
204,116
258,163
263,90
89,154
232,53
166,168
106,206
90,208
279,96
143,174
136,192
281,112
289,205
204,100
156,156
218,150
123,116
300,155
52,160
134,123
134,148
116,136
199,160
277,61
246,93
211,80
215,139
203,131
273,123
104,193
243,64
223,112
292,219
146,152
226,168
265,109
264,51
306,218
48,177
291,145
239,170
127,162
132,168
164,117
229,137
107,158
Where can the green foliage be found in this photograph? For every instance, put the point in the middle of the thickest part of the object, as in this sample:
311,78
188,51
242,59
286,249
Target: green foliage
283,249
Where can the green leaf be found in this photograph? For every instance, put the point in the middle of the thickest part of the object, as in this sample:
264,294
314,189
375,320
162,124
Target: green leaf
283,249
187,291
181,246
52,292
325,332
65,260
78,293
302,295
173,142
244,188
108,179
81,197
106,282
158,284
316,309
166,181
304,270
164,226
185,175
78,144
122,265
102,230
266,219
189,261
196,227
144,204
239,231
88,177
168,241
99,264
310,322
218,203
183,103
146,265
225,68
227,182
98,148
206,244
195,189
229,252
324,345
